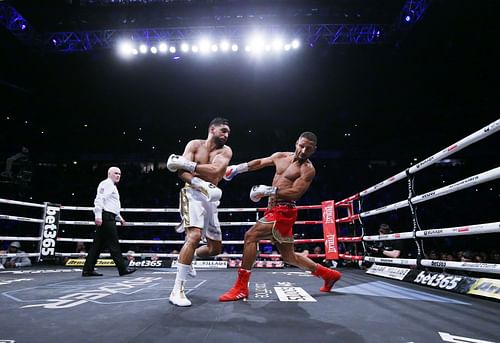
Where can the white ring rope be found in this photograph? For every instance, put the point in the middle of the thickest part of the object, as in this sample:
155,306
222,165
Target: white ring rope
476,136
459,185
22,203
470,266
14,238
440,232
154,210
389,237
137,241
147,210
87,223
21,219
76,254
405,261
162,224
169,210
460,230
24,254
148,254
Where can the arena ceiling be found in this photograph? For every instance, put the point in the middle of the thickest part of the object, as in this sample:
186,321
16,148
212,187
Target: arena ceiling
429,85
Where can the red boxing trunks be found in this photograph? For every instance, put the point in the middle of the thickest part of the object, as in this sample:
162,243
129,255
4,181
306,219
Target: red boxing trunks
283,218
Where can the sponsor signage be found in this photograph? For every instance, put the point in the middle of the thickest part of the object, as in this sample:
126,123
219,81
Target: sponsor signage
234,264
480,266
50,226
424,162
262,292
428,195
330,230
258,264
463,182
205,264
433,232
293,294
79,262
486,287
438,264
150,263
274,264
388,271
267,264
448,282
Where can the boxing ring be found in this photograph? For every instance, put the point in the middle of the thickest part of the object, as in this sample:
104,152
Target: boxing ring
395,300
356,214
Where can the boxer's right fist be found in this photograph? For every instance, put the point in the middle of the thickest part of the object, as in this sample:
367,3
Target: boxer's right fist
232,171
211,191
176,162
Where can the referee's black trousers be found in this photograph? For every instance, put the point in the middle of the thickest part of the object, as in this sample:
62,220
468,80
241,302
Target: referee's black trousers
105,235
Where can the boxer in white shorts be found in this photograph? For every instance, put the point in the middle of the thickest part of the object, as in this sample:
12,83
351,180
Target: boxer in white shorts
202,166
197,211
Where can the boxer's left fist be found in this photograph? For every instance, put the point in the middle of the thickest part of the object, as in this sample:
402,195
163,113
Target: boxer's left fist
259,191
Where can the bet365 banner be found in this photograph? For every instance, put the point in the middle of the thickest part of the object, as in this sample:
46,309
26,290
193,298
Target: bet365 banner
330,230
50,226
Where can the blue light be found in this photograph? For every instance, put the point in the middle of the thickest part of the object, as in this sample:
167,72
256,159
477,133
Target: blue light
407,18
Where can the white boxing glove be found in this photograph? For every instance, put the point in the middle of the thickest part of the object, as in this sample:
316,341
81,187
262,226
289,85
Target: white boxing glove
232,171
211,191
259,191
176,162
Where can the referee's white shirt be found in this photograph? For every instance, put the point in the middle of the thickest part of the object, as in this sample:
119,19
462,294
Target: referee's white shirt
107,199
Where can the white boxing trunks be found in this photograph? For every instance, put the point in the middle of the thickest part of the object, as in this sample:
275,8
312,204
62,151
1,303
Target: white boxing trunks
197,211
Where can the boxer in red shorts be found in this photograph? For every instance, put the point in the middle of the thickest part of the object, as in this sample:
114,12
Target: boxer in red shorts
283,215
294,174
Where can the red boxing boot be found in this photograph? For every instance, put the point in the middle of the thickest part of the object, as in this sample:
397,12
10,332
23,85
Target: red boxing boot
240,288
329,275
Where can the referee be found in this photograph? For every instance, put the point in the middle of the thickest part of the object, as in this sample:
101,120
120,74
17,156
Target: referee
107,212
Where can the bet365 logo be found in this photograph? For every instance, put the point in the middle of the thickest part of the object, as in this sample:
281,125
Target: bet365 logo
147,263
